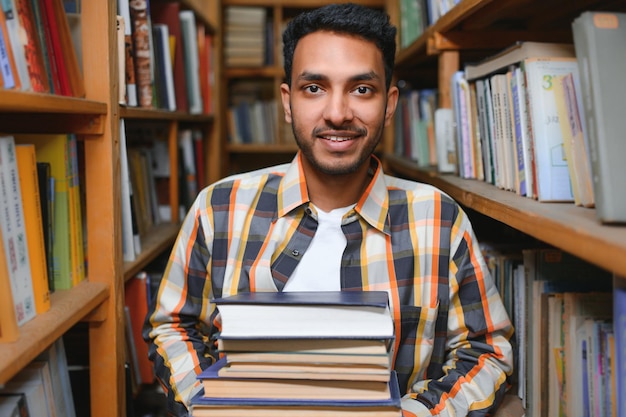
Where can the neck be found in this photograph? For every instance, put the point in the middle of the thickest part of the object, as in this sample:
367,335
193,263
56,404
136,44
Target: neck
329,192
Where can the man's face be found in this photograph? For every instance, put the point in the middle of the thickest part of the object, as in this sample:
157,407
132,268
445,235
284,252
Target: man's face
338,103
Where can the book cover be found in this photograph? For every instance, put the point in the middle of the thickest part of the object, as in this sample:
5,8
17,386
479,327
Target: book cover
167,13
552,175
363,314
34,393
39,372
17,47
123,9
217,386
142,47
55,150
8,69
9,330
189,35
31,47
599,40
136,299
56,358
14,233
76,214
164,80
68,53
517,53
13,405
29,183
275,406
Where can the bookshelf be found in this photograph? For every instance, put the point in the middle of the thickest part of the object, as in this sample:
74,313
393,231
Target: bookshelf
281,147
98,301
470,31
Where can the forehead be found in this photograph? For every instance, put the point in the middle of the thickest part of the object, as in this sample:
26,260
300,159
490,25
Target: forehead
331,52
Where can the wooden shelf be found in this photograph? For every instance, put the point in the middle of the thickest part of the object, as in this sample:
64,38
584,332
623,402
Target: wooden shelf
54,114
68,308
296,3
138,113
564,225
160,238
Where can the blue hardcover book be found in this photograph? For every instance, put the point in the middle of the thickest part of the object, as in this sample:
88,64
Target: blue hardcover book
332,314
277,407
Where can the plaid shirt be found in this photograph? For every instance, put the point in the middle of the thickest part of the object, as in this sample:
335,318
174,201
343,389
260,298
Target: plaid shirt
248,232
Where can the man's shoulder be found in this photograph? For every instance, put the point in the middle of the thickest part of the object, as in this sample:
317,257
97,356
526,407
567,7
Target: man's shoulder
415,190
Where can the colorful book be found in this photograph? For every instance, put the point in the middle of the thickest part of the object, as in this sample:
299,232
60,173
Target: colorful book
9,330
136,299
15,42
14,233
142,47
9,78
31,47
362,314
29,183
599,42
55,150
552,174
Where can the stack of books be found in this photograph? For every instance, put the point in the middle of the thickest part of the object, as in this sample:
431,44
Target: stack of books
310,353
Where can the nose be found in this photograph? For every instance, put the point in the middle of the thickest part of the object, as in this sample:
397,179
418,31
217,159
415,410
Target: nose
338,109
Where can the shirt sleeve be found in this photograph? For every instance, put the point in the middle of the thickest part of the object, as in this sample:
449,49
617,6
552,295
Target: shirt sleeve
479,357
177,326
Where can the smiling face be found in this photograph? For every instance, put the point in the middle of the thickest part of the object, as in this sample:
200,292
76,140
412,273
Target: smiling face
338,103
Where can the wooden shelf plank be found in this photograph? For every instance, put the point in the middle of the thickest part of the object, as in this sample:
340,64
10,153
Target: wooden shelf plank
68,308
20,102
158,240
138,113
563,225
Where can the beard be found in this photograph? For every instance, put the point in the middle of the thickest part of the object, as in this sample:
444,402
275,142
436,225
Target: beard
339,166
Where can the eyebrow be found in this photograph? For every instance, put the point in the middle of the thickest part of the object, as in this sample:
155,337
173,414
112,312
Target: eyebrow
311,76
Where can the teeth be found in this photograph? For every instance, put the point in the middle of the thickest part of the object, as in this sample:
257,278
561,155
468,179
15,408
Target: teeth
337,139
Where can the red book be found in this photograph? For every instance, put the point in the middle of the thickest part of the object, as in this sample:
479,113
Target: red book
136,299
167,13
32,48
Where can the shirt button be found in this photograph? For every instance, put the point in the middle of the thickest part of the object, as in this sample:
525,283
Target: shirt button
295,252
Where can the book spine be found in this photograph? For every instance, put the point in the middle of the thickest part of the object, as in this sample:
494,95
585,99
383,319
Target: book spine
32,48
141,34
14,233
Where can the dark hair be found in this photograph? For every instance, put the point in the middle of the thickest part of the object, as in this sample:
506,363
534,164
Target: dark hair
347,18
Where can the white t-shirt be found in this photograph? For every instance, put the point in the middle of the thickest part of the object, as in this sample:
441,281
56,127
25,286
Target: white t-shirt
319,268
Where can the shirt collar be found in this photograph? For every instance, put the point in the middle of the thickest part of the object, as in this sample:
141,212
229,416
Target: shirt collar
372,207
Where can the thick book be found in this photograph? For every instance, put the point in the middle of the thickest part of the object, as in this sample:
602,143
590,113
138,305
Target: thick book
552,174
218,386
201,406
339,314
333,352
13,233
136,299
29,183
599,42
143,52
517,53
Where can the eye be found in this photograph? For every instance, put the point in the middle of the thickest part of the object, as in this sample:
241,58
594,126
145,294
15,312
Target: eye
312,88
363,90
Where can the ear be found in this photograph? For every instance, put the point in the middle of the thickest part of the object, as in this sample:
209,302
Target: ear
285,94
392,102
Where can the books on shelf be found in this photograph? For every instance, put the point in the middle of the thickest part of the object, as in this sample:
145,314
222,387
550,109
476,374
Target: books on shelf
31,203
599,43
143,52
13,233
515,54
245,36
68,246
363,314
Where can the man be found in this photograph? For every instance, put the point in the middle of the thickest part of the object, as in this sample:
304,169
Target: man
332,220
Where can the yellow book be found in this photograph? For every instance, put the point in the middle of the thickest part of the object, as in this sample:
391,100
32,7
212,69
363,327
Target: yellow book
54,149
27,168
